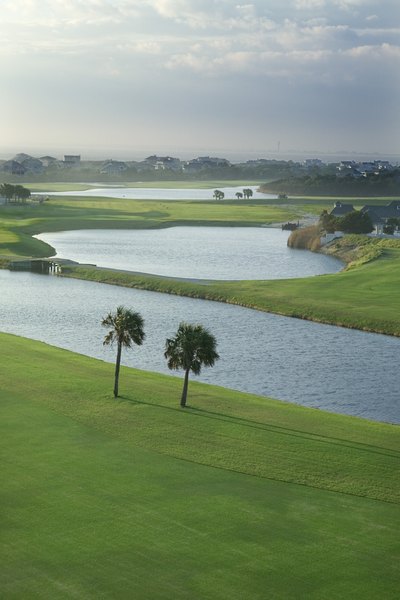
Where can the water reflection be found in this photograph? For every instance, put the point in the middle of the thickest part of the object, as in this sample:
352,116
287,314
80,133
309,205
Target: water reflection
201,252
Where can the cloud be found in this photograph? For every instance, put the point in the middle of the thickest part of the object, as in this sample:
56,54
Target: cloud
203,55
381,52
309,4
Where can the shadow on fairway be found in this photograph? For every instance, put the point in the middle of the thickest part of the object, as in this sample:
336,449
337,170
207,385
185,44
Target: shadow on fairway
276,429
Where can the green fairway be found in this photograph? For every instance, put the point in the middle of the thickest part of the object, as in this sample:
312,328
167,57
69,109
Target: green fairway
235,497
66,213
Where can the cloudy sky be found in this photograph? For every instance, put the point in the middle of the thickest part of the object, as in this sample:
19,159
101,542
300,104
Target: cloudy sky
129,77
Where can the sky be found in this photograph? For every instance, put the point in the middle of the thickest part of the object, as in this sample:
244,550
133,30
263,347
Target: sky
126,78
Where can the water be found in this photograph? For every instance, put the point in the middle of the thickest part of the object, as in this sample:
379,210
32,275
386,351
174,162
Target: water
145,193
340,370
194,252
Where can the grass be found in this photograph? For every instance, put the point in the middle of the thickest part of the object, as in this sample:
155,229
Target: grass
235,497
65,187
365,297
65,213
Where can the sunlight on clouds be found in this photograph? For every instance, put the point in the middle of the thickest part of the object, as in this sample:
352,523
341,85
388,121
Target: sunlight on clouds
134,53
384,51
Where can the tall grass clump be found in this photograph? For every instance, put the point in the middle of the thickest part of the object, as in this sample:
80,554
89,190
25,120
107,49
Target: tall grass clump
307,238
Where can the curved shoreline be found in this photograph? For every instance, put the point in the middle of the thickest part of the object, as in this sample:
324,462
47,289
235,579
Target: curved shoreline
273,296
352,298
323,298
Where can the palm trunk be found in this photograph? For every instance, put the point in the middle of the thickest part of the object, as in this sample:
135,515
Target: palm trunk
185,388
117,365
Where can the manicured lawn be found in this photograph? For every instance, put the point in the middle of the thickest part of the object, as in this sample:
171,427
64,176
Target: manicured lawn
235,497
63,213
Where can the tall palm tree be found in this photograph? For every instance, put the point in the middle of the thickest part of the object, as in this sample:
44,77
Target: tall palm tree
126,329
192,347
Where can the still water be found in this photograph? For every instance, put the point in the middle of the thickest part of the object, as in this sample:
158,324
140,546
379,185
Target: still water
194,252
179,194
315,365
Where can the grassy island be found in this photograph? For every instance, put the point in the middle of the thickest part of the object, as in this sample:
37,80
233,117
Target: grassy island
233,496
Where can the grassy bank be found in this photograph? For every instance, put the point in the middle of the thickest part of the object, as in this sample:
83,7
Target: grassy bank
366,296
234,496
18,223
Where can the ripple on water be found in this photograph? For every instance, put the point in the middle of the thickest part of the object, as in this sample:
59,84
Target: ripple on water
316,365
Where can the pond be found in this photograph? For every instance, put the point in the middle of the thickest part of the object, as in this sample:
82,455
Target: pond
322,366
194,252
145,193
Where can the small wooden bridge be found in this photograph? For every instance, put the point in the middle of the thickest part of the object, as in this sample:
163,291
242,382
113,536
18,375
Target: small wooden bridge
44,266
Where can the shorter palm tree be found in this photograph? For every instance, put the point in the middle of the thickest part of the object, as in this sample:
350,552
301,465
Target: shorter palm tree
192,347
126,329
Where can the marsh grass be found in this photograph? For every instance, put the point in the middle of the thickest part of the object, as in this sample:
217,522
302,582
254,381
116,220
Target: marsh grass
305,238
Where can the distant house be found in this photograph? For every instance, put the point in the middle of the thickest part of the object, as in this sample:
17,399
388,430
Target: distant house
47,161
379,215
113,167
362,169
21,157
71,160
206,162
310,163
340,209
32,165
13,167
163,163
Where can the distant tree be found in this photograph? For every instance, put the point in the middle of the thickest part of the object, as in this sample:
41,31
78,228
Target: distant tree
21,193
218,195
239,195
247,193
389,229
7,191
356,222
395,221
328,222
14,192
192,347
126,329
282,196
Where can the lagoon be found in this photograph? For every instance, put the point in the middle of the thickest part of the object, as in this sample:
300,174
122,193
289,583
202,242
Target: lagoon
226,253
321,366
160,193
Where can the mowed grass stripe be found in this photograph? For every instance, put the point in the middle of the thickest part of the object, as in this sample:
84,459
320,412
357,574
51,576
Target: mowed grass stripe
221,428
89,514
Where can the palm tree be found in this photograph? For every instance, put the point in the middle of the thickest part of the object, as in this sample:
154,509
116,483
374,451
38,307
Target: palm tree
192,347
126,329
218,195
247,193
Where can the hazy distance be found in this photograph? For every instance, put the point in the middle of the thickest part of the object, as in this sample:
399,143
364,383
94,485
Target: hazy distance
190,77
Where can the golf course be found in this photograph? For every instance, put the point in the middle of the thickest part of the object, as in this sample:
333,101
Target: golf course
235,496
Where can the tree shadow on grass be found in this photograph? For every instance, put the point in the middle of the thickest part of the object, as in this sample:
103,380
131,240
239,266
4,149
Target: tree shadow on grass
276,429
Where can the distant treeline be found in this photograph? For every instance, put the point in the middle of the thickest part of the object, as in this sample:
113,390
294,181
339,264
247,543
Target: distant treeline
383,184
91,171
